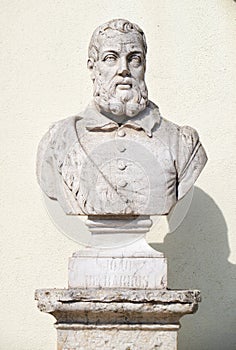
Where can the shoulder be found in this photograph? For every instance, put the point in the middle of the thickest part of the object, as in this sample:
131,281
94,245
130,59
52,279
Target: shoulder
63,126
188,136
60,132
179,136
191,159
169,133
51,152
185,132
57,139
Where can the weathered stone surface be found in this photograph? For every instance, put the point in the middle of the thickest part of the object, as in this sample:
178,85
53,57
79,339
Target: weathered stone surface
119,305
52,295
117,319
113,338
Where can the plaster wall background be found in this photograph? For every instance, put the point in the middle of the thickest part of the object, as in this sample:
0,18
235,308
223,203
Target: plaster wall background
191,75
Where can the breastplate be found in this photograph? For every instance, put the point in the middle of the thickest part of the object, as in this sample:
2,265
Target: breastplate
108,174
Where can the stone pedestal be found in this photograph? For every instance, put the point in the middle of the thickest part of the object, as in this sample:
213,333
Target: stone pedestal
106,319
117,297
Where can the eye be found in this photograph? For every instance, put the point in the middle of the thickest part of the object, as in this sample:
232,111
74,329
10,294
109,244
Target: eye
135,60
110,58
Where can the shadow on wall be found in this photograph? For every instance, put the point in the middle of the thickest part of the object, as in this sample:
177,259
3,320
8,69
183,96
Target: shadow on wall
197,254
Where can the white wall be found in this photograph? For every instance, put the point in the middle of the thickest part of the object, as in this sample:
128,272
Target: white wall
191,74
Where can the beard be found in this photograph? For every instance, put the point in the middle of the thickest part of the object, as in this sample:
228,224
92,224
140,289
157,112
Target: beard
128,102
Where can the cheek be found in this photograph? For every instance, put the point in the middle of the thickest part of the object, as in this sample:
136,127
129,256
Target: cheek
106,72
138,73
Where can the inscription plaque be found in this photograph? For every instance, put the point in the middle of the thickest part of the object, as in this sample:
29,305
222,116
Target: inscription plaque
134,273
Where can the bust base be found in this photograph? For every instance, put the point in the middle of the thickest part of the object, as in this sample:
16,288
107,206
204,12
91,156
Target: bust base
133,266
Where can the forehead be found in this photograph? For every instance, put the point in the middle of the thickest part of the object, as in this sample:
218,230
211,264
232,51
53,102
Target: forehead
116,41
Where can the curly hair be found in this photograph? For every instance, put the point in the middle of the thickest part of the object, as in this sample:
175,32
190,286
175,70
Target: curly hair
121,25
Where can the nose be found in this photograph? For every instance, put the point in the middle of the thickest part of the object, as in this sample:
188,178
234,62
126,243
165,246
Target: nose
123,69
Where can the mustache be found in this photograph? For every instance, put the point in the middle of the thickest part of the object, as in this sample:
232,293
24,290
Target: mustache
119,80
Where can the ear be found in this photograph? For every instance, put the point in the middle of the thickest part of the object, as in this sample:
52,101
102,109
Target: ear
90,66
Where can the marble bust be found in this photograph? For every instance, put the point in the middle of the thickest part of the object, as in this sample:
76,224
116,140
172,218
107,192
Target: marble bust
119,156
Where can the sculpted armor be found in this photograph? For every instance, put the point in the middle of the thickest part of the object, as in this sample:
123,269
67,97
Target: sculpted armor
94,166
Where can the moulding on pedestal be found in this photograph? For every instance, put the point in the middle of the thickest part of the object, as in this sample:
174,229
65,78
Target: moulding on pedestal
109,319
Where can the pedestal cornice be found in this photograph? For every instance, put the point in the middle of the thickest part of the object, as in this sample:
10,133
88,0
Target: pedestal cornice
113,307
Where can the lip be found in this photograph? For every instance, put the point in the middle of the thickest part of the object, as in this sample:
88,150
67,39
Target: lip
124,86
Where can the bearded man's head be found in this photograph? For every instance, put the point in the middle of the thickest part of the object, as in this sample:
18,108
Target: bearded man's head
117,60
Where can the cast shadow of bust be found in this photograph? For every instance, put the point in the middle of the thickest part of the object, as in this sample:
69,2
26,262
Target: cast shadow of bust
197,254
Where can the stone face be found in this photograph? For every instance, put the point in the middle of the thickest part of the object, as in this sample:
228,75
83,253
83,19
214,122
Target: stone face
117,319
119,156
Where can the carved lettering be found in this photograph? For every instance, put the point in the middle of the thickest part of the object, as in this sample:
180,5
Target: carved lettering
123,281
120,264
